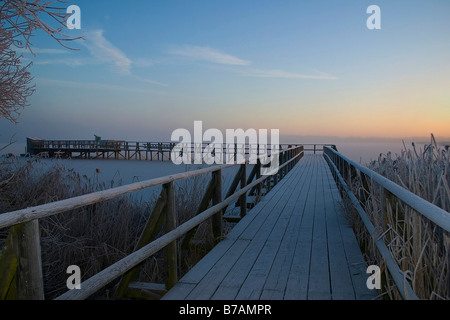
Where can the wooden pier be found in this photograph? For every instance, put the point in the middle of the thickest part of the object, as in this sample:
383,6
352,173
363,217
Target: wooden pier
294,244
129,150
100,149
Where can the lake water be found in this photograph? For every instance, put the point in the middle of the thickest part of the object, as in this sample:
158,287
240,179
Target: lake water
120,172
364,152
128,171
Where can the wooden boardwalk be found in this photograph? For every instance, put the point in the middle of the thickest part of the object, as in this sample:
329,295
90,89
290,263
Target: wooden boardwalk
294,244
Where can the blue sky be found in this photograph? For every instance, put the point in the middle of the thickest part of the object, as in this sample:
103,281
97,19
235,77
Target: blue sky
308,68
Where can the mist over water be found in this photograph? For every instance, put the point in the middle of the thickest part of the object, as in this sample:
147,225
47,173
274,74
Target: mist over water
365,152
362,151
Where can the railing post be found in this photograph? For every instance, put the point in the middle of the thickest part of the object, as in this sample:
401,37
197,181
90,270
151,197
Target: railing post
216,199
148,234
275,176
169,225
258,175
243,198
27,247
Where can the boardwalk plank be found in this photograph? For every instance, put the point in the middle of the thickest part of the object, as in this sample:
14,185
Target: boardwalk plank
180,291
297,284
214,276
357,265
231,284
294,244
196,274
268,200
340,276
276,282
319,277
244,274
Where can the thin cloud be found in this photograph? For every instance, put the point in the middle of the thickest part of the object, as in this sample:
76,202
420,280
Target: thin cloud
106,52
143,63
274,73
42,50
208,54
71,62
93,85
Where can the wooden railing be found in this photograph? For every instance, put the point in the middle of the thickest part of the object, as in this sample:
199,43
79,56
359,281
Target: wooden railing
22,249
361,185
317,147
129,150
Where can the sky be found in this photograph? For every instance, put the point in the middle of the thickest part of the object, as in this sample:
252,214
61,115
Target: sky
312,69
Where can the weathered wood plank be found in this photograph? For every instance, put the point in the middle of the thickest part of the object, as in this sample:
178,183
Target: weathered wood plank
340,277
213,277
297,284
179,291
356,264
252,286
276,282
196,274
319,284
266,204
296,246
231,284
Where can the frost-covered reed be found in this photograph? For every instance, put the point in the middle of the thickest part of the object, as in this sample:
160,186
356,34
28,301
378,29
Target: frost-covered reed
421,248
95,236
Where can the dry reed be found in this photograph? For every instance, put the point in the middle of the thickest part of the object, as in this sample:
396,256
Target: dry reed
421,249
95,236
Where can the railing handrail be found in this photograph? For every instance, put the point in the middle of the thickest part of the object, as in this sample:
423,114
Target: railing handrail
405,288
107,275
99,280
118,268
36,141
24,215
41,211
429,210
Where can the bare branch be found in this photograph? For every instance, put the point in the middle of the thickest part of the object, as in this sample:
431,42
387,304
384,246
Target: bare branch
19,19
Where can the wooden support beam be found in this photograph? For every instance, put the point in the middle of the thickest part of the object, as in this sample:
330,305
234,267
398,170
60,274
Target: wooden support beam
235,182
8,267
146,290
254,173
169,225
27,247
216,199
148,235
243,198
204,203
99,280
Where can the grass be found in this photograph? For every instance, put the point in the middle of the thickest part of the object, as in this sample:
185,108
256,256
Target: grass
95,236
421,249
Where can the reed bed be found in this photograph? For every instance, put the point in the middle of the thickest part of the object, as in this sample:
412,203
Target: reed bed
95,236
421,249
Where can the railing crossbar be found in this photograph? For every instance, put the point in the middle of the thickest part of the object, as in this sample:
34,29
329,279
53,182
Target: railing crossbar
112,272
437,215
404,287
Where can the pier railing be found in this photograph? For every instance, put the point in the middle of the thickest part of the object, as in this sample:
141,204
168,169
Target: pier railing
21,265
393,217
134,150
317,147
130,150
